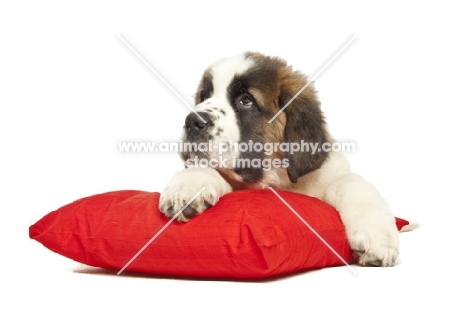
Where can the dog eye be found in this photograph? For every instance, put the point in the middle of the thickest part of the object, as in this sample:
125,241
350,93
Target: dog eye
246,101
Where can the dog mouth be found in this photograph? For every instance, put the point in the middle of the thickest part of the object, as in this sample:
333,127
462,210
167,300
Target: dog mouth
188,156
203,137
211,153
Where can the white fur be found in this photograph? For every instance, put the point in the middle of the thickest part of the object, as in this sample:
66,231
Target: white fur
224,70
222,73
185,185
370,226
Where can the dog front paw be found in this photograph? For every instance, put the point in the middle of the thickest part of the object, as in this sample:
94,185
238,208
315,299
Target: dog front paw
192,191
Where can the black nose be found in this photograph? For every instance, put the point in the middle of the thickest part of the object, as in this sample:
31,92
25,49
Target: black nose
194,123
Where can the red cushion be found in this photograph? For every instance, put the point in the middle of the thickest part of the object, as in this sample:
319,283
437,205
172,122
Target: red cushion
247,234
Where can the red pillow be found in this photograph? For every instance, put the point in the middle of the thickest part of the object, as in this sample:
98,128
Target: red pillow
247,234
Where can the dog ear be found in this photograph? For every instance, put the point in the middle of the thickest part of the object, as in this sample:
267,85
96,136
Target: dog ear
305,124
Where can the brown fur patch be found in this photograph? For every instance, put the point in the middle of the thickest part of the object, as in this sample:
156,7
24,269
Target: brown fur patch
302,120
274,131
273,83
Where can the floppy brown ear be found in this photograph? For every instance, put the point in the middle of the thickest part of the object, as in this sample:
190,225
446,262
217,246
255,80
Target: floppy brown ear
305,123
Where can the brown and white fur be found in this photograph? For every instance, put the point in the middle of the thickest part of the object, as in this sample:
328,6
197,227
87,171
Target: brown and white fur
237,97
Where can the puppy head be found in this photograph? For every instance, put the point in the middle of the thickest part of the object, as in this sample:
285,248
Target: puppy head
236,99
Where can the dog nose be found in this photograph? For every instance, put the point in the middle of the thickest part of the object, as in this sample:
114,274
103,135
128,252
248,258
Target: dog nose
194,123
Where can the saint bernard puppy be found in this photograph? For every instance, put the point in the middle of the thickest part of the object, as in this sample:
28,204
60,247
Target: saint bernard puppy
235,100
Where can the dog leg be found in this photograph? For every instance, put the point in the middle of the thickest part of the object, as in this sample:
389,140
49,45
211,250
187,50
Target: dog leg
370,226
185,185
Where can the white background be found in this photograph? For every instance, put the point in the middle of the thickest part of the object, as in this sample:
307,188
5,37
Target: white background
70,90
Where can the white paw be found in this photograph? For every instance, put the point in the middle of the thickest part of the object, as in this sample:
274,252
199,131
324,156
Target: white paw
183,188
370,226
376,244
